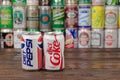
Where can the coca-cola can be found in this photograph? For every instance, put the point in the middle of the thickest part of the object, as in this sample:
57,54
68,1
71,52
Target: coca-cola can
31,50
111,38
97,38
84,38
53,51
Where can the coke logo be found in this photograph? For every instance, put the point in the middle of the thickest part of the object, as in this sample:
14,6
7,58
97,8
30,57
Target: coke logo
54,52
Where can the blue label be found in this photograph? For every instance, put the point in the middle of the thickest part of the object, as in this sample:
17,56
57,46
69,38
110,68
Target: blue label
44,18
74,33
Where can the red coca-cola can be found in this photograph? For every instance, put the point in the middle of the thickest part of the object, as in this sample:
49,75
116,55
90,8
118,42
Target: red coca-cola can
53,51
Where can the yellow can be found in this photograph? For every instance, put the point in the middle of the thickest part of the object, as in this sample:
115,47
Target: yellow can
98,13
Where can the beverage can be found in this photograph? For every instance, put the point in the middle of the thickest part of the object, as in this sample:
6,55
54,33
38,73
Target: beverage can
98,16
7,39
111,2
57,2
111,38
19,2
70,2
71,38
98,2
33,2
45,3
53,51
84,1
31,50
19,17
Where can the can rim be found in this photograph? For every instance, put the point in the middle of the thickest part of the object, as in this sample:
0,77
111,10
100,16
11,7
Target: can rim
53,33
31,33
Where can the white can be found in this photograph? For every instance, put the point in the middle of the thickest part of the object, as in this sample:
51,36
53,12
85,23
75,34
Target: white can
111,17
84,38
19,17
53,50
98,2
33,2
111,38
97,37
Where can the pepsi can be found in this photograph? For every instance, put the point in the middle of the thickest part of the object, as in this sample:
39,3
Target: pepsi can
31,50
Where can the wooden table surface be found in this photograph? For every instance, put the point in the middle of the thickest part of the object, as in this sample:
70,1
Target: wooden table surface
80,64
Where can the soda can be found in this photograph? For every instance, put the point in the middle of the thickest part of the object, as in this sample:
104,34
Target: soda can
119,17
118,38
84,1
71,38
111,17
33,2
32,18
57,17
98,2
45,18
45,3
57,2
70,2
19,2
53,51
111,2
98,17
111,38
84,38
7,39
84,15
97,38
19,17
31,50
71,19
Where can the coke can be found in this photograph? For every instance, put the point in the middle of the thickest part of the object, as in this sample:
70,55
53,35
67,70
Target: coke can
98,2
53,51
111,17
111,2
97,38
84,38
118,38
71,16
111,38
45,18
7,38
45,3
84,15
71,38
19,17
31,50
33,2
19,2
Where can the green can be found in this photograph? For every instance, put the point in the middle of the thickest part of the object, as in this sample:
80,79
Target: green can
58,17
111,2
57,2
19,2
6,17
84,1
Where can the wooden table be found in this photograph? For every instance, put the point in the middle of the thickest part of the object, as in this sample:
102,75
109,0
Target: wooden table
80,64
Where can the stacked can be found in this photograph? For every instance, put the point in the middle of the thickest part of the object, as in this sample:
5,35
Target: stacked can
71,23
97,33
57,15
111,24
84,23
45,16
32,15
6,24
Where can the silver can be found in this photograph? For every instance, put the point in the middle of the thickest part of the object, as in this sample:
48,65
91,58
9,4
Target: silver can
111,38
33,2
45,18
19,17
84,38
97,38
111,17
32,17
98,2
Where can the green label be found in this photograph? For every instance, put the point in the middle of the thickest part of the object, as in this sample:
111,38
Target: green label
84,1
111,2
33,30
19,2
58,17
57,2
6,17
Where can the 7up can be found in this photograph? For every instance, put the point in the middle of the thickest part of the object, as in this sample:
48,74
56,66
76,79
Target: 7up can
18,2
57,17
111,2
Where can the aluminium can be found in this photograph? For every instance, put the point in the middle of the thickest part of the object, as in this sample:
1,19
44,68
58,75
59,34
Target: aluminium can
32,18
32,2
45,3
70,2
31,50
111,17
57,17
84,1
19,2
118,38
71,16
98,2
57,2
97,38
45,18
84,15
19,17
7,38
84,38
111,37
111,2
53,51
71,38
98,13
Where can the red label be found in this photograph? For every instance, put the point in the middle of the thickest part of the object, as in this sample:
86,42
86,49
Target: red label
9,39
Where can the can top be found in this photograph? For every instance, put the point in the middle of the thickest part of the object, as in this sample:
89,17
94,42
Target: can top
6,2
71,2
6,30
54,33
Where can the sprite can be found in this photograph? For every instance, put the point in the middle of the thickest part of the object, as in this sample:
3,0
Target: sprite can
84,1
18,2
111,2
58,17
57,2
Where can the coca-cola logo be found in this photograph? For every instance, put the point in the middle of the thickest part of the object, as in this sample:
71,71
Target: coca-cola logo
54,52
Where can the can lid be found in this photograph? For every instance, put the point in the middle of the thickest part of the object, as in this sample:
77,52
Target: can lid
70,1
6,30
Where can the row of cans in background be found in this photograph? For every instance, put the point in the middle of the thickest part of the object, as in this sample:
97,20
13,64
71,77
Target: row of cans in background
95,38
32,55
